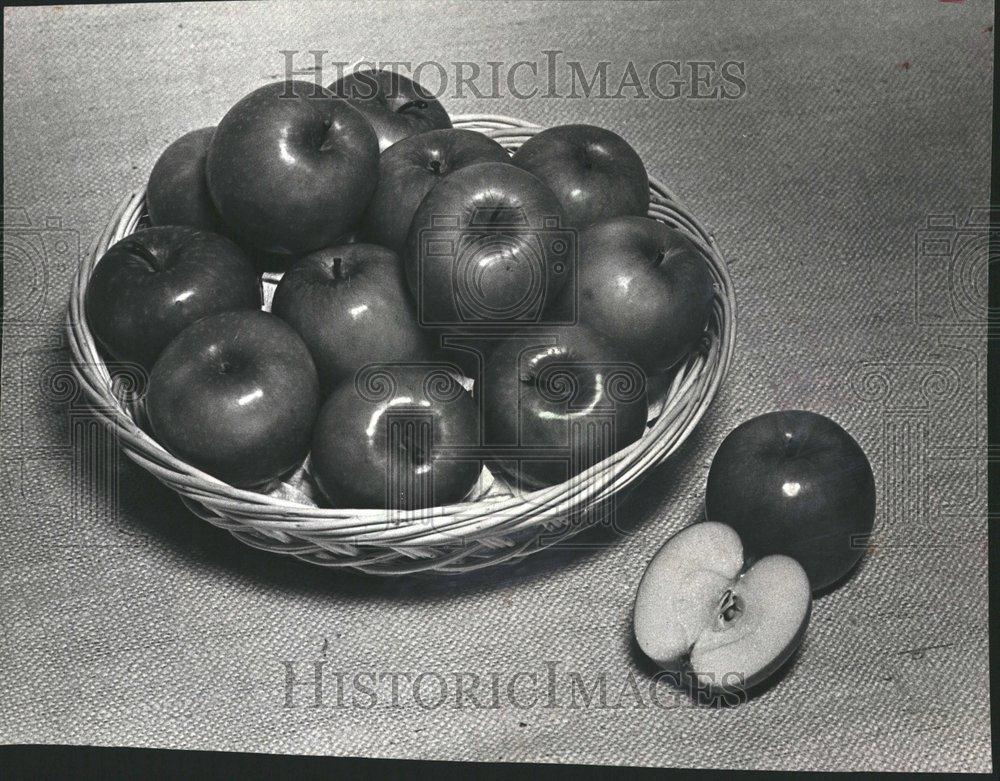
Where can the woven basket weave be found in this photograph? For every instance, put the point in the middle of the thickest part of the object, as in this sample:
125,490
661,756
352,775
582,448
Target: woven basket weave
498,526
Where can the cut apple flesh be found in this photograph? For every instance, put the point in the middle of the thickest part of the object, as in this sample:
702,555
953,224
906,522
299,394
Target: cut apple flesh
695,608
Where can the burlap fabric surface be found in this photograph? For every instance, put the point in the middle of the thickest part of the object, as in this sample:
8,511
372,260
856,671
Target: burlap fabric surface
127,621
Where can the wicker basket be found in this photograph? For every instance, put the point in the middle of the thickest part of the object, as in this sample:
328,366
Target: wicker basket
497,526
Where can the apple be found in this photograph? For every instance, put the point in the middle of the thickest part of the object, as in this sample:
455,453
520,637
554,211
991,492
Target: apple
291,168
350,305
235,395
594,172
399,437
150,286
410,168
700,610
397,107
177,192
486,246
795,483
642,284
273,266
556,403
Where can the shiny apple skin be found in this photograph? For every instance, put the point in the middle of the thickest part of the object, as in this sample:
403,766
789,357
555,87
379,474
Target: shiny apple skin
536,390
504,269
235,395
410,168
291,168
351,307
594,172
645,286
794,482
150,286
350,451
177,191
397,107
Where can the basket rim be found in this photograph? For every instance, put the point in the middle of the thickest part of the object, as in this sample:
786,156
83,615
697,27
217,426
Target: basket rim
692,391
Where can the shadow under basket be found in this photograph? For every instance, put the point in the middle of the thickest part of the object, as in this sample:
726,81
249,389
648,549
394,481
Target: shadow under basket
499,525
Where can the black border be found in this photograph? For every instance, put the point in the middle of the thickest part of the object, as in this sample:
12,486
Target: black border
80,762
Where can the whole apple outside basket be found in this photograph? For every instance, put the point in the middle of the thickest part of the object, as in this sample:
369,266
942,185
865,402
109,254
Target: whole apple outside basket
498,525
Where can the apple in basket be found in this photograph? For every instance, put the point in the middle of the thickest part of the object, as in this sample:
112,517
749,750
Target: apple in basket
594,172
795,483
177,192
410,168
644,285
398,436
235,395
557,402
396,107
150,286
702,609
350,305
291,168
487,245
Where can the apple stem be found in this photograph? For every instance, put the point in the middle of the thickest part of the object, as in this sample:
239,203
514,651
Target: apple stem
661,256
141,251
338,271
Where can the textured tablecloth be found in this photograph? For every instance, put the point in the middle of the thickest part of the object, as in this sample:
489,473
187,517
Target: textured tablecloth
127,621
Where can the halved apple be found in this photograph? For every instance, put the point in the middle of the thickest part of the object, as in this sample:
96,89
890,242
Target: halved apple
698,610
